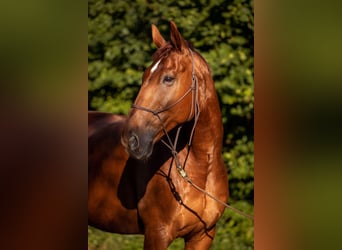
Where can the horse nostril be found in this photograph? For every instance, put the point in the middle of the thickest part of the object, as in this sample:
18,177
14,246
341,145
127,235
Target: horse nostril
133,142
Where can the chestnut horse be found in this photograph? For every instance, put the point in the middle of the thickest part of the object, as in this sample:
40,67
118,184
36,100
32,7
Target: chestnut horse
140,165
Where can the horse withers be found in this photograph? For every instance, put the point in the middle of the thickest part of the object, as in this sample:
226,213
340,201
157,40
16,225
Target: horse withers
139,165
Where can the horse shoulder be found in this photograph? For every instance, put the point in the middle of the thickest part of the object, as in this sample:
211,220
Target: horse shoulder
216,185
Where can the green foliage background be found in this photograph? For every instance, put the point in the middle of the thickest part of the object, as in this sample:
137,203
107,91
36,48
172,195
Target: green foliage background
120,48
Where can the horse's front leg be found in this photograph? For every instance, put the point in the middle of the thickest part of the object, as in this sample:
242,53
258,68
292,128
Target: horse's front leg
157,238
200,241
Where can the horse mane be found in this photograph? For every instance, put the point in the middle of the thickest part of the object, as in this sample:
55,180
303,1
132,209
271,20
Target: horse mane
165,50
162,52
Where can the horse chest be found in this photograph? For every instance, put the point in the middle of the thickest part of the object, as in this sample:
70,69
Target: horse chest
171,201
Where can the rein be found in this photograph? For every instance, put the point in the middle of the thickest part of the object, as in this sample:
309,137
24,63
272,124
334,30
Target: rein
173,145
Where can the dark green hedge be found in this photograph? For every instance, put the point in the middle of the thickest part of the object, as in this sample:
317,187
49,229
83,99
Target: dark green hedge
120,48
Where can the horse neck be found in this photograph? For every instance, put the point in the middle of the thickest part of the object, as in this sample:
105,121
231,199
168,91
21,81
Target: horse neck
209,129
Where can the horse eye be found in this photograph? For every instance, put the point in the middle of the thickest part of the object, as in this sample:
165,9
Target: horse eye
168,79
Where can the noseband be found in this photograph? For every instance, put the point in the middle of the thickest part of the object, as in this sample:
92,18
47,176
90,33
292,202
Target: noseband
194,110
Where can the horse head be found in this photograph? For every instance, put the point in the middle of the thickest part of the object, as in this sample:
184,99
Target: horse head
167,97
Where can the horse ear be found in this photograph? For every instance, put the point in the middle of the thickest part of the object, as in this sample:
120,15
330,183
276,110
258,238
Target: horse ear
157,38
176,38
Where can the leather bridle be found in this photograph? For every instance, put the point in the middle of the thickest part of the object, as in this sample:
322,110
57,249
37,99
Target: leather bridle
195,109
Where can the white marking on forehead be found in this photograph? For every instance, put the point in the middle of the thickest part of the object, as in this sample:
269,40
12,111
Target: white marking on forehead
155,66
